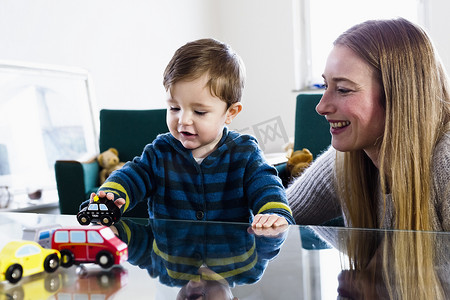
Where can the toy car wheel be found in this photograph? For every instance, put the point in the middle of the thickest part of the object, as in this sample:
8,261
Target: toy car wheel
51,263
52,283
15,293
67,258
14,273
105,280
104,259
83,219
106,220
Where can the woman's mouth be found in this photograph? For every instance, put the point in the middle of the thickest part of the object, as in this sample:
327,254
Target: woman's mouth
340,124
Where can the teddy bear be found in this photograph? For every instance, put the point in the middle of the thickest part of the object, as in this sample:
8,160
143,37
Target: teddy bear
109,162
298,161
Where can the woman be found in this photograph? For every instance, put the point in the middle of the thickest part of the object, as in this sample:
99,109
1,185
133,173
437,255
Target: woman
387,102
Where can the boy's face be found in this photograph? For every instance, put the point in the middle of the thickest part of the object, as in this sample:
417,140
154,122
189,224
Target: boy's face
204,290
195,117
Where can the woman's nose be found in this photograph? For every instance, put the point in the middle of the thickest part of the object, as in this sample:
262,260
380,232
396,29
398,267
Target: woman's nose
324,106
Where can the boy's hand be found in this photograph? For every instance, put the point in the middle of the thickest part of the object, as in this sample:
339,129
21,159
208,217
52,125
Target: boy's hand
274,232
110,196
114,229
269,225
268,220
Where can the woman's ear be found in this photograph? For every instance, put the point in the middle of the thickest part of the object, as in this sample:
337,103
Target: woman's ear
233,111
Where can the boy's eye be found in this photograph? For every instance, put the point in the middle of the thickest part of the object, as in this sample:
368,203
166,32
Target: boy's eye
201,113
174,108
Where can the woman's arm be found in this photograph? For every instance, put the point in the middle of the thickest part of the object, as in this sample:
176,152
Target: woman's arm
312,196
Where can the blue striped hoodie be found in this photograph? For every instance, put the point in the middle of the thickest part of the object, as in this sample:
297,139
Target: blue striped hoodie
233,183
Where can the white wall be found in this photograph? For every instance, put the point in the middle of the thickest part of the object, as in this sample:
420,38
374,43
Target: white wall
127,44
439,29
261,32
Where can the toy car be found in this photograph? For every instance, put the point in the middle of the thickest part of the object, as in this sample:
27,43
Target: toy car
42,234
101,210
94,283
23,258
39,286
94,244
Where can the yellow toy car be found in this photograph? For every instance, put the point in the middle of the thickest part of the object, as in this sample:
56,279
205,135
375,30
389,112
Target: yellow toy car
23,258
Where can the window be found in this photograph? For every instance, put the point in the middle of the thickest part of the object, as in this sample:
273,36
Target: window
107,233
46,114
320,22
44,235
27,250
93,207
77,237
61,236
94,237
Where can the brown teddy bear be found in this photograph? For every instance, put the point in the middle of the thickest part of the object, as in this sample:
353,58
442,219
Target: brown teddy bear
298,161
109,162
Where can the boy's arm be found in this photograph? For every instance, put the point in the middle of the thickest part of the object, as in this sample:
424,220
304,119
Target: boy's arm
265,192
132,183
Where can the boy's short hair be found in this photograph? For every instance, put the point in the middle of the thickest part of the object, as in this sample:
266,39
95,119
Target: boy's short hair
223,66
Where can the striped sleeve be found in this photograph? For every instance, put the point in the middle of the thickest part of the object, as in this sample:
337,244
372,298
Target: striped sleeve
264,189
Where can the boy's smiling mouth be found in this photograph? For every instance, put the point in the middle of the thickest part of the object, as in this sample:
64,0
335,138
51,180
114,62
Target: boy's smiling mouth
187,134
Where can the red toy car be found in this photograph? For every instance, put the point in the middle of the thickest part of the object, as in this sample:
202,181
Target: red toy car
94,244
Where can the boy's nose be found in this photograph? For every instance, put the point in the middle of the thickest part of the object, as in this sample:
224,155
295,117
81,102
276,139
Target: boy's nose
185,119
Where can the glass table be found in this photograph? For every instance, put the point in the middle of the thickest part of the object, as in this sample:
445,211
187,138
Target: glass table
173,259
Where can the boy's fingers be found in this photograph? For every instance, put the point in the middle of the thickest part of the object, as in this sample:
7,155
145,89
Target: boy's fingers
258,220
258,217
271,219
281,222
119,202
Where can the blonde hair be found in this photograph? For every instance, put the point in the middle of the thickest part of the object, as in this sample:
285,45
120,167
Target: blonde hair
415,96
224,68
416,101
387,271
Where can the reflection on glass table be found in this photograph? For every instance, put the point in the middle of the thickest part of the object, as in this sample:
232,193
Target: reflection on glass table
202,260
170,259
21,202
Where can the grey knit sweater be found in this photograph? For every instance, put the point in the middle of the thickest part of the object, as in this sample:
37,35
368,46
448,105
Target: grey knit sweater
313,197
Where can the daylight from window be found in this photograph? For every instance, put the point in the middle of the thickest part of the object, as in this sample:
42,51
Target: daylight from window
328,19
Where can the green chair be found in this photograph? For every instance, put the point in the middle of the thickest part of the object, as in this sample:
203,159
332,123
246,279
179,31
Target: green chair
126,130
312,131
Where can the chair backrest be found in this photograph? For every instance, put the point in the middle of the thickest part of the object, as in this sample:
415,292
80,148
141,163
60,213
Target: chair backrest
130,130
312,131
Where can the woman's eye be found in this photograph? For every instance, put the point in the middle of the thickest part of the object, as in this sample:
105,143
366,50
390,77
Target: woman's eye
174,108
343,90
201,113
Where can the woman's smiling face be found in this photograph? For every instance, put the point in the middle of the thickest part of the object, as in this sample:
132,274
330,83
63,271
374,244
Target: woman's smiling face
352,103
